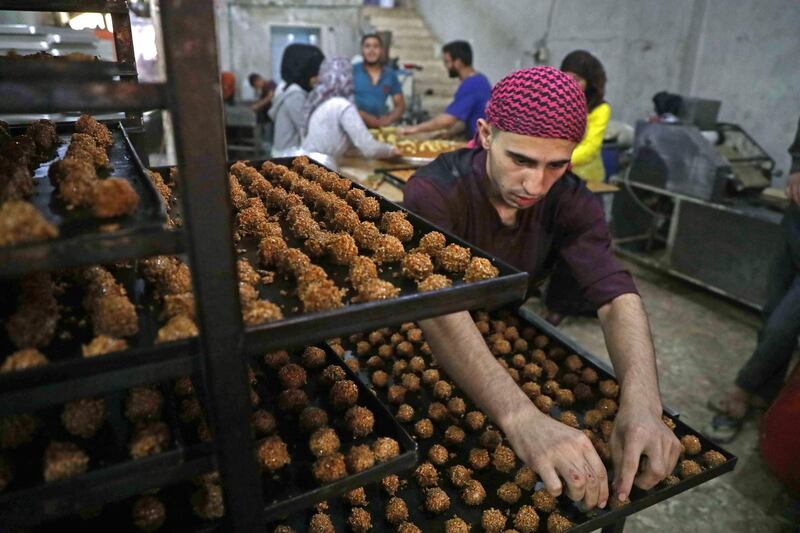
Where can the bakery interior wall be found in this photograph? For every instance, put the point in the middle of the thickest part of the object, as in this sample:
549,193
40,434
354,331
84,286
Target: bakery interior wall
745,53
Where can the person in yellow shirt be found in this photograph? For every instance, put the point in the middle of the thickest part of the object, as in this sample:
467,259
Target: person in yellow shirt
588,71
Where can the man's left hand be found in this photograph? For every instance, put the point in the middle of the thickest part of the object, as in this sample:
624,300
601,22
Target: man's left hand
640,436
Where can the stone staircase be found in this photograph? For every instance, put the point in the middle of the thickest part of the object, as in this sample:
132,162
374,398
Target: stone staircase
413,42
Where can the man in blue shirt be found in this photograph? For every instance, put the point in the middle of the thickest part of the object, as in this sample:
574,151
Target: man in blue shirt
374,83
469,102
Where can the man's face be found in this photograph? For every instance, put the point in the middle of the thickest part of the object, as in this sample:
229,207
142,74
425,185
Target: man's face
371,51
522,168
258,83
450,65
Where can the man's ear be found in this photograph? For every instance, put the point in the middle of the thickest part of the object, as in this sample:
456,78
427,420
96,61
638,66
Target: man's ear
485,133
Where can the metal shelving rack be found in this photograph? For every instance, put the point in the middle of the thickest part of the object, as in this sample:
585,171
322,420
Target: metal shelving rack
220,353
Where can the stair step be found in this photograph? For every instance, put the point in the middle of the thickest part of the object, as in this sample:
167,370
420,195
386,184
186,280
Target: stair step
393,24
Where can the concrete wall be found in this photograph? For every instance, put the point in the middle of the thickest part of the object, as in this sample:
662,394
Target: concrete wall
743,52
243,29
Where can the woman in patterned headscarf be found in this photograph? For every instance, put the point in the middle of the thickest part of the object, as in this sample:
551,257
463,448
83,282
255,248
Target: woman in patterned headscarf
333,124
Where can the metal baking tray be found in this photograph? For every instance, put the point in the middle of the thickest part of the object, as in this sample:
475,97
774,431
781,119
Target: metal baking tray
299,328
68,375
294,488
83,239
492,479
58,69
113,475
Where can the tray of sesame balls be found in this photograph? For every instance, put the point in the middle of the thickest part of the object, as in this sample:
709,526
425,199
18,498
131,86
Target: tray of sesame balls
467,474
332,255
318,430
75,193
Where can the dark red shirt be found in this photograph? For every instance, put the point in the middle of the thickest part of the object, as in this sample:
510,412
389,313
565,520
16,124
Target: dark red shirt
568,223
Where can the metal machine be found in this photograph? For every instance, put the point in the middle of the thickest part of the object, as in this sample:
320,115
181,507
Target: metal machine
691,205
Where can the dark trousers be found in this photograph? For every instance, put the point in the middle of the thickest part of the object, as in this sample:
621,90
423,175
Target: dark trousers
764,373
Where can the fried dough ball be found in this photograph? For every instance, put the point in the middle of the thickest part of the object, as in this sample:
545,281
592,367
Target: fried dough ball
456,525
609,388
64,460
62,168
292,376
411,382
543,501
526,520
504,459
320,296
21,222
389,249
436,500
343,394
531,389
367,236
113,197
143,404
501,347
359,421
294,400
360,521
490,439
380,379
323,441
607,406
544,403
426,475
479,269
437,412
459,475
473,493
276,360
454,258
424,428
396,511
474,420
313,357
438,454
478,458
509,492
98,131
416,364
148,513
569,418
525,478
271,249
321,523
356,497
691,444
454,435
330,468
456,407
390,484
342,248
77,189
434,282
385,448
558,523
408,527
405,413
430,376
688,468
362,269
22,360
369,208
376,289
395,223
359,458
84,417
179,327
432,242
150,439
493,521
713,459
442,390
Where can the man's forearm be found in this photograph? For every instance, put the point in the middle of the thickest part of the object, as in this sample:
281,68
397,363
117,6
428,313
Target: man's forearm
630,345
439,122
459,348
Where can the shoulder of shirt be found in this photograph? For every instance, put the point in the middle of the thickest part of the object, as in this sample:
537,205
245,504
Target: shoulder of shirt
448,168
603,108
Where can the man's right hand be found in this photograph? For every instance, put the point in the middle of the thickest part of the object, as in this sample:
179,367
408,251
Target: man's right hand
793,187
558,452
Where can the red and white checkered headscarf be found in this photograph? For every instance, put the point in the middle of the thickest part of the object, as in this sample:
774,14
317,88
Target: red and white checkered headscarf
539,102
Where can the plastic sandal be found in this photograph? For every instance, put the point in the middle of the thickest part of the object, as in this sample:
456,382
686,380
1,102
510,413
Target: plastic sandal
723,429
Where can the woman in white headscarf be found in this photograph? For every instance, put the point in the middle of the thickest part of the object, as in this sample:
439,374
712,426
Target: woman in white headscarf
333,124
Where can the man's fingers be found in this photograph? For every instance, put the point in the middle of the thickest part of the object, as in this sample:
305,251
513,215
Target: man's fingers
655,468
591,496
628,468
574,475
599,471
550,479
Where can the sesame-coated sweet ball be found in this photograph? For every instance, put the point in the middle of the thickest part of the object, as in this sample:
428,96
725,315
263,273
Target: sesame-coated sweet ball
607,406
473,493
609,388
359,458
405,349
148,513
688,468
526,520
550,368
376,289
490,439
386,351
342,248
143,404
558,523
589,375
323,441
276,360
416,364
329,468
313,357
583,392
356,497
592,418
395,223
691,444
456,525
501,347
434,282
426,475
525,478
606,427
390,484
415,335
343,394
493,521
531,389
367,236
292,376
359,520
272,454
442,390
293,400
544,403
331,374
454,435
509,492
456,407
263,422
424,428
573,363
380,379
313,418
321,523
436,500
385,448
474,420
389,249
408,527
504,459
84,417
438,455
430,376
478,458
417,266
531,371
63,460
569,380
454,258
713,458
396,394
359,421
396,511
543,501
459,475
437,412
518,361
480,268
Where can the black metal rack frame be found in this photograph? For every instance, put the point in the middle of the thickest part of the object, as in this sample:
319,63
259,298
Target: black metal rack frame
191,95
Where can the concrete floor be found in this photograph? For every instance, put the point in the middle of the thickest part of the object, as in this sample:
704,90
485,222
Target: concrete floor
701,341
